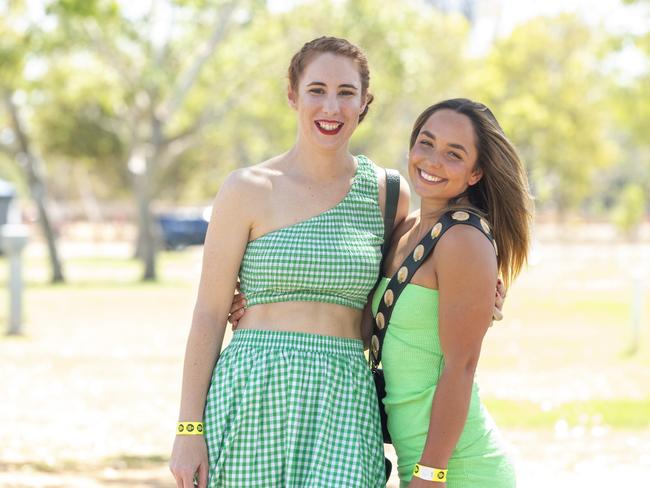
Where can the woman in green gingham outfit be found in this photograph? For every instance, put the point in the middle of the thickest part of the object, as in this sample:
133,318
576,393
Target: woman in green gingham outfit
290,402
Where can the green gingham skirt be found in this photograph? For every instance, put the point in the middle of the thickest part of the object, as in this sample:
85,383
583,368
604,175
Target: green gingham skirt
293,410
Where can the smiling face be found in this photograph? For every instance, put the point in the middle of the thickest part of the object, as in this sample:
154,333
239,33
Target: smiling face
328,100
442,162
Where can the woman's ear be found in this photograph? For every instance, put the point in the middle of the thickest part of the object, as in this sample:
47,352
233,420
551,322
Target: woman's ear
292,98
365,103
475,177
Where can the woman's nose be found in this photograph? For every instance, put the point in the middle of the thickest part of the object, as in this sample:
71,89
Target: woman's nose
435,159
331,105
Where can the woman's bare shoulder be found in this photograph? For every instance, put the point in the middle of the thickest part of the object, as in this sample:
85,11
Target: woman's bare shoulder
253,182
465,245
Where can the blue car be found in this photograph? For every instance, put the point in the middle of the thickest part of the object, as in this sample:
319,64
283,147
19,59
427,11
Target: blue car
179,230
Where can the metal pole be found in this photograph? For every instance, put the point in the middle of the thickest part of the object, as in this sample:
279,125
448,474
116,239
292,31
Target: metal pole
14,237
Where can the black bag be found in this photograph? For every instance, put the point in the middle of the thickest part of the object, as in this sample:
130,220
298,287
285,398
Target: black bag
380,386
390,210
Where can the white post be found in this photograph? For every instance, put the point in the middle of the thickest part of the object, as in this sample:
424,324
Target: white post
636,311
13,238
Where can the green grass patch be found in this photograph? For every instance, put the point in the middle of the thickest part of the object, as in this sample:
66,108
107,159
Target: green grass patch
615,413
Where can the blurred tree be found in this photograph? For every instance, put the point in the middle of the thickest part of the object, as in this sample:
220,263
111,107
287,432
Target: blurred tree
137,94
629,104
545,84
416,58
157,75
630,209
17,41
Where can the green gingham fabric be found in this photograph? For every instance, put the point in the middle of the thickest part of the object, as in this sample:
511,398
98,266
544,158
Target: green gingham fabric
293,410
333,257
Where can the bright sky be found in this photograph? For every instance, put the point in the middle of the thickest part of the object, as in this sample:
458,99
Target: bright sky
611,13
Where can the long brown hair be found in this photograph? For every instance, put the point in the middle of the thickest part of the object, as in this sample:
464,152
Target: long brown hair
334,45
502,193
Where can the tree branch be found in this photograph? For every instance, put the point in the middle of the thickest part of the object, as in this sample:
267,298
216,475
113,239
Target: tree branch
207,117
111,56
188,78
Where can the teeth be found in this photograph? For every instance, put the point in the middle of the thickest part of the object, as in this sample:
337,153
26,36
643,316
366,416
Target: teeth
328,125
428,177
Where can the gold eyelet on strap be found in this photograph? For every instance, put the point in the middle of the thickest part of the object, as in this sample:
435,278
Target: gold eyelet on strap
388,298
486,226
418,252
380,321
374,345
435,232
402,274
460,216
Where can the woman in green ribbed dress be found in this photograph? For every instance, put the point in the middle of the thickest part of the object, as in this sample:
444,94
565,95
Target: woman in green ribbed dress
459,157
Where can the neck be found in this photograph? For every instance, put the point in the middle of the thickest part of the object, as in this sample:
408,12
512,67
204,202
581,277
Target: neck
431,210
318,163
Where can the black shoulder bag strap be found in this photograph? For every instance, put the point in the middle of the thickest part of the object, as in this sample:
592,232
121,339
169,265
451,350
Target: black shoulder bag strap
390,209
410,265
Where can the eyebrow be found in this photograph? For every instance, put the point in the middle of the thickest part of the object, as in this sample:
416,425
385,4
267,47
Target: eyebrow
343,85
457,146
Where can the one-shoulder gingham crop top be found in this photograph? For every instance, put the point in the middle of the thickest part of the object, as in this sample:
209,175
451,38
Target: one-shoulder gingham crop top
333,257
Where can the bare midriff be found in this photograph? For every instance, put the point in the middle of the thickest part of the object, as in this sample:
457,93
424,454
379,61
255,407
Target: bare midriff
308,317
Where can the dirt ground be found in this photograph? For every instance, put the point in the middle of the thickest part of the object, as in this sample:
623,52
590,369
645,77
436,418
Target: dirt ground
89,395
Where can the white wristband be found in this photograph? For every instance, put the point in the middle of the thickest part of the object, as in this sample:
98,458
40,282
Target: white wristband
430,474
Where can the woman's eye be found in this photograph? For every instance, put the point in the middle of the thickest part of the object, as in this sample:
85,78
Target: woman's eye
317,91
347,93
454,155
424,142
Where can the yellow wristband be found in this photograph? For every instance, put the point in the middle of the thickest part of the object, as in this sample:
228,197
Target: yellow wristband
189,428
430,474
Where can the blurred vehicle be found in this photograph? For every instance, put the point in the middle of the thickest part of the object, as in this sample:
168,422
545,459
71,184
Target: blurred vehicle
182,228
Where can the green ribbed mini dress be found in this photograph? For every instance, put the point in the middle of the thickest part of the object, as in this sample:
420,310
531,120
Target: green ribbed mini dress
412,360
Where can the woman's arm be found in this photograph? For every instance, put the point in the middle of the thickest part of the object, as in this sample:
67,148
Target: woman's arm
466,270
225,243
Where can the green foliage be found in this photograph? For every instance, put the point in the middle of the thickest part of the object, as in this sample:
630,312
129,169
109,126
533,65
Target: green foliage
83,8
616,413
107,72
628,107
544,85
630,209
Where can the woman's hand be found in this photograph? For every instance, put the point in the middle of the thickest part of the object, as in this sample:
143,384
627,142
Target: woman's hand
189,458
500,298
238,308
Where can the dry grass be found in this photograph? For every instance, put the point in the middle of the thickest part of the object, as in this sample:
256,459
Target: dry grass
90,393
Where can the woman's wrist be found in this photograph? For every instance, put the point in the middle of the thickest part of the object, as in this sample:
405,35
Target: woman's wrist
189,428
429,473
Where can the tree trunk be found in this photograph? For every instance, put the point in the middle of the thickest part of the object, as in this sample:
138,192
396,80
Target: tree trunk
31,166
147,232
140,166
